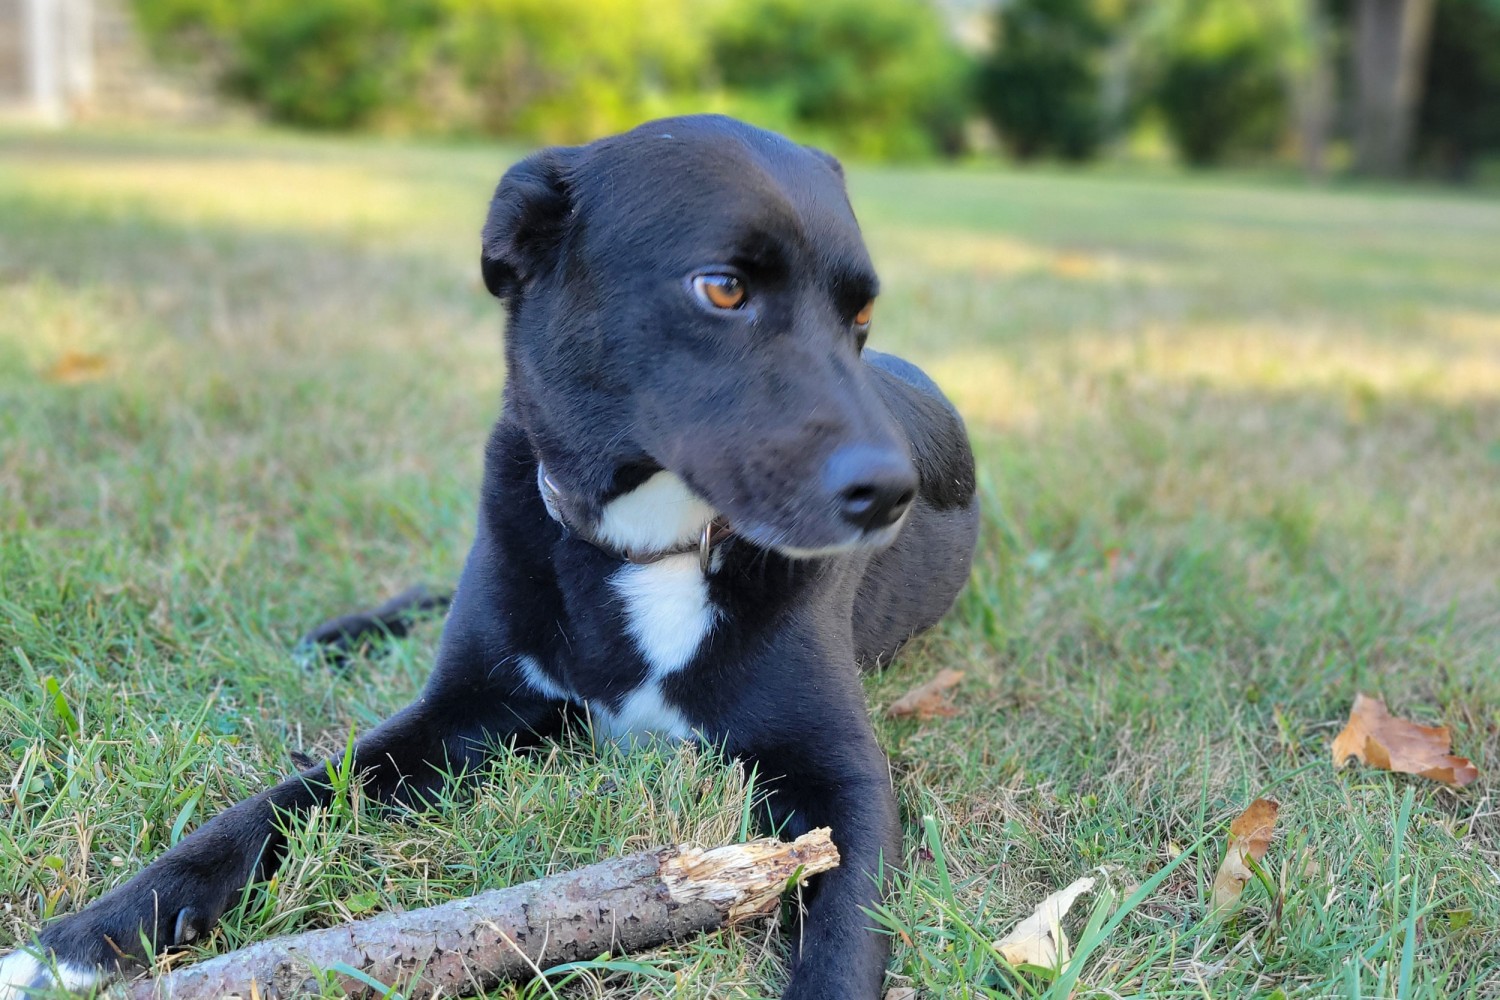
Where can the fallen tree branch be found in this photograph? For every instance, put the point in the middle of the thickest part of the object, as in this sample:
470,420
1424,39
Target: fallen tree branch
619,906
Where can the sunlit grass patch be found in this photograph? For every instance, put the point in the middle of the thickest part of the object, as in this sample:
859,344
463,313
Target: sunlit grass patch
985,256
263,183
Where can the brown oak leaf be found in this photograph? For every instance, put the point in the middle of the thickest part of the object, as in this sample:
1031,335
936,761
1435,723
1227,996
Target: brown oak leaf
1392,743
78,366
928,701
1249,836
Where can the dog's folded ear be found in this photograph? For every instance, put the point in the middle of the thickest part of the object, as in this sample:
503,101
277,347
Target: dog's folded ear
527,219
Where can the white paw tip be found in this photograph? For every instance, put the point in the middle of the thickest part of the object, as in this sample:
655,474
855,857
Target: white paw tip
18,971
21,971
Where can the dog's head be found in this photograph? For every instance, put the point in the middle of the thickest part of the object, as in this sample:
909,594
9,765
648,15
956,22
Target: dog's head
693,296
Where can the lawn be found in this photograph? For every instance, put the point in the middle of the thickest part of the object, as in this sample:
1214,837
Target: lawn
1240,454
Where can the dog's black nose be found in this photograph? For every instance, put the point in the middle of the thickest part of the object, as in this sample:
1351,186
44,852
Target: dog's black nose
874,486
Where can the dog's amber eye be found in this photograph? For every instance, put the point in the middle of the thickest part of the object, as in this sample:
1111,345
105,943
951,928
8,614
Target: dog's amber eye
722,291
863,317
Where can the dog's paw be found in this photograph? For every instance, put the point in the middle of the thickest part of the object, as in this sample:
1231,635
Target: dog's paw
21,973
82,950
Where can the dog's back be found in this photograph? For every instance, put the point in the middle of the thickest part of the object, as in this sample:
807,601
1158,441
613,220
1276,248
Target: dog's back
912,583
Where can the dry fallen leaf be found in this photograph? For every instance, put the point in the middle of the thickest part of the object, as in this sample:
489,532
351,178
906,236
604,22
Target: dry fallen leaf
901,993
928,701
1391,743
78,366
1249,836
1039,939
1075,265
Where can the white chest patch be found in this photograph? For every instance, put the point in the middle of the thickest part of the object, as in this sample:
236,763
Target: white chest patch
538,680
667,611
644,713
661,513
667,616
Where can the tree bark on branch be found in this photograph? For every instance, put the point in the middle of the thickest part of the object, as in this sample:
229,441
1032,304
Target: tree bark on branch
624,905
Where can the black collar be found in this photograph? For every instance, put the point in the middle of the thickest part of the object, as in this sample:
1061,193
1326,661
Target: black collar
714,532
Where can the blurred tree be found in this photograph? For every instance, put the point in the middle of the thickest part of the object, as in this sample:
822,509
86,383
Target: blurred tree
319,63
1390,50
181,29
1310,60
874,78
1218,75
1041,86
1458,121
330,63
569,70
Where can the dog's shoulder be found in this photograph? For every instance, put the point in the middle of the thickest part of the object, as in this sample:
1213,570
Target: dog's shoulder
939,442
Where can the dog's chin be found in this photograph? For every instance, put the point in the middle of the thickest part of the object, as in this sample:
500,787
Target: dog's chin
781,542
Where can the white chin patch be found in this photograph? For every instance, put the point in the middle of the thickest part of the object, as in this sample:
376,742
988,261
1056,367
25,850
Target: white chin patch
661,513
21,971
859,541
792,552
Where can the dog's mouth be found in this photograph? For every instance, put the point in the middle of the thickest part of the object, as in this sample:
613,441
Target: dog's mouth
663,513
857,500
777,540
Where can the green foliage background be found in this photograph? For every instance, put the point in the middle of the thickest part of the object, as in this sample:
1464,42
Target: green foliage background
1216,70
1458,120
874,79
565,70
1041,86
877,78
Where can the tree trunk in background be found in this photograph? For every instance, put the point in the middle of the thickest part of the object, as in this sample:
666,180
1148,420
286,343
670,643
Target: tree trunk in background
44,30
1312,89
1390,50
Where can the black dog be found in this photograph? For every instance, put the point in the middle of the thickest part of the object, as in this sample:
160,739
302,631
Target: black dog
704,505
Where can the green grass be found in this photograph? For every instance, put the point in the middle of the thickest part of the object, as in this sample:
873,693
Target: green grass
1240,453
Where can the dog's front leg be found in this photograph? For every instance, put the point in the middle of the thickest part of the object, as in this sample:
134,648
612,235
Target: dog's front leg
179,897
834,774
